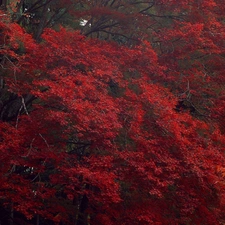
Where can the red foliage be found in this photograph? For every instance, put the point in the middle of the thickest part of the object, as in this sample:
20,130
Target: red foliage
93,136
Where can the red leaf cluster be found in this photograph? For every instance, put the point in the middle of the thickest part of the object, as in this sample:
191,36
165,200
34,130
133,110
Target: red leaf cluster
94,132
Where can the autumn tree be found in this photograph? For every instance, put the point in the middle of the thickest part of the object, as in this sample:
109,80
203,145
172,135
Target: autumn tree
123,132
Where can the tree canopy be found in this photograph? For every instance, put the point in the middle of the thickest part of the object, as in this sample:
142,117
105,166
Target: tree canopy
116,120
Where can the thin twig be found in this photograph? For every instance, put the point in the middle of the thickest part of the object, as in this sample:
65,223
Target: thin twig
44,139
24,106
31,147
18,115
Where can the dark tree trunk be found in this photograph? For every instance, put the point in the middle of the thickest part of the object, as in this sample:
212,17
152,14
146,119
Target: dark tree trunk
3,4
83,216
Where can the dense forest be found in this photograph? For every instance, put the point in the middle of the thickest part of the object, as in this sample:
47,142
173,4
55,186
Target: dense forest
112,112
